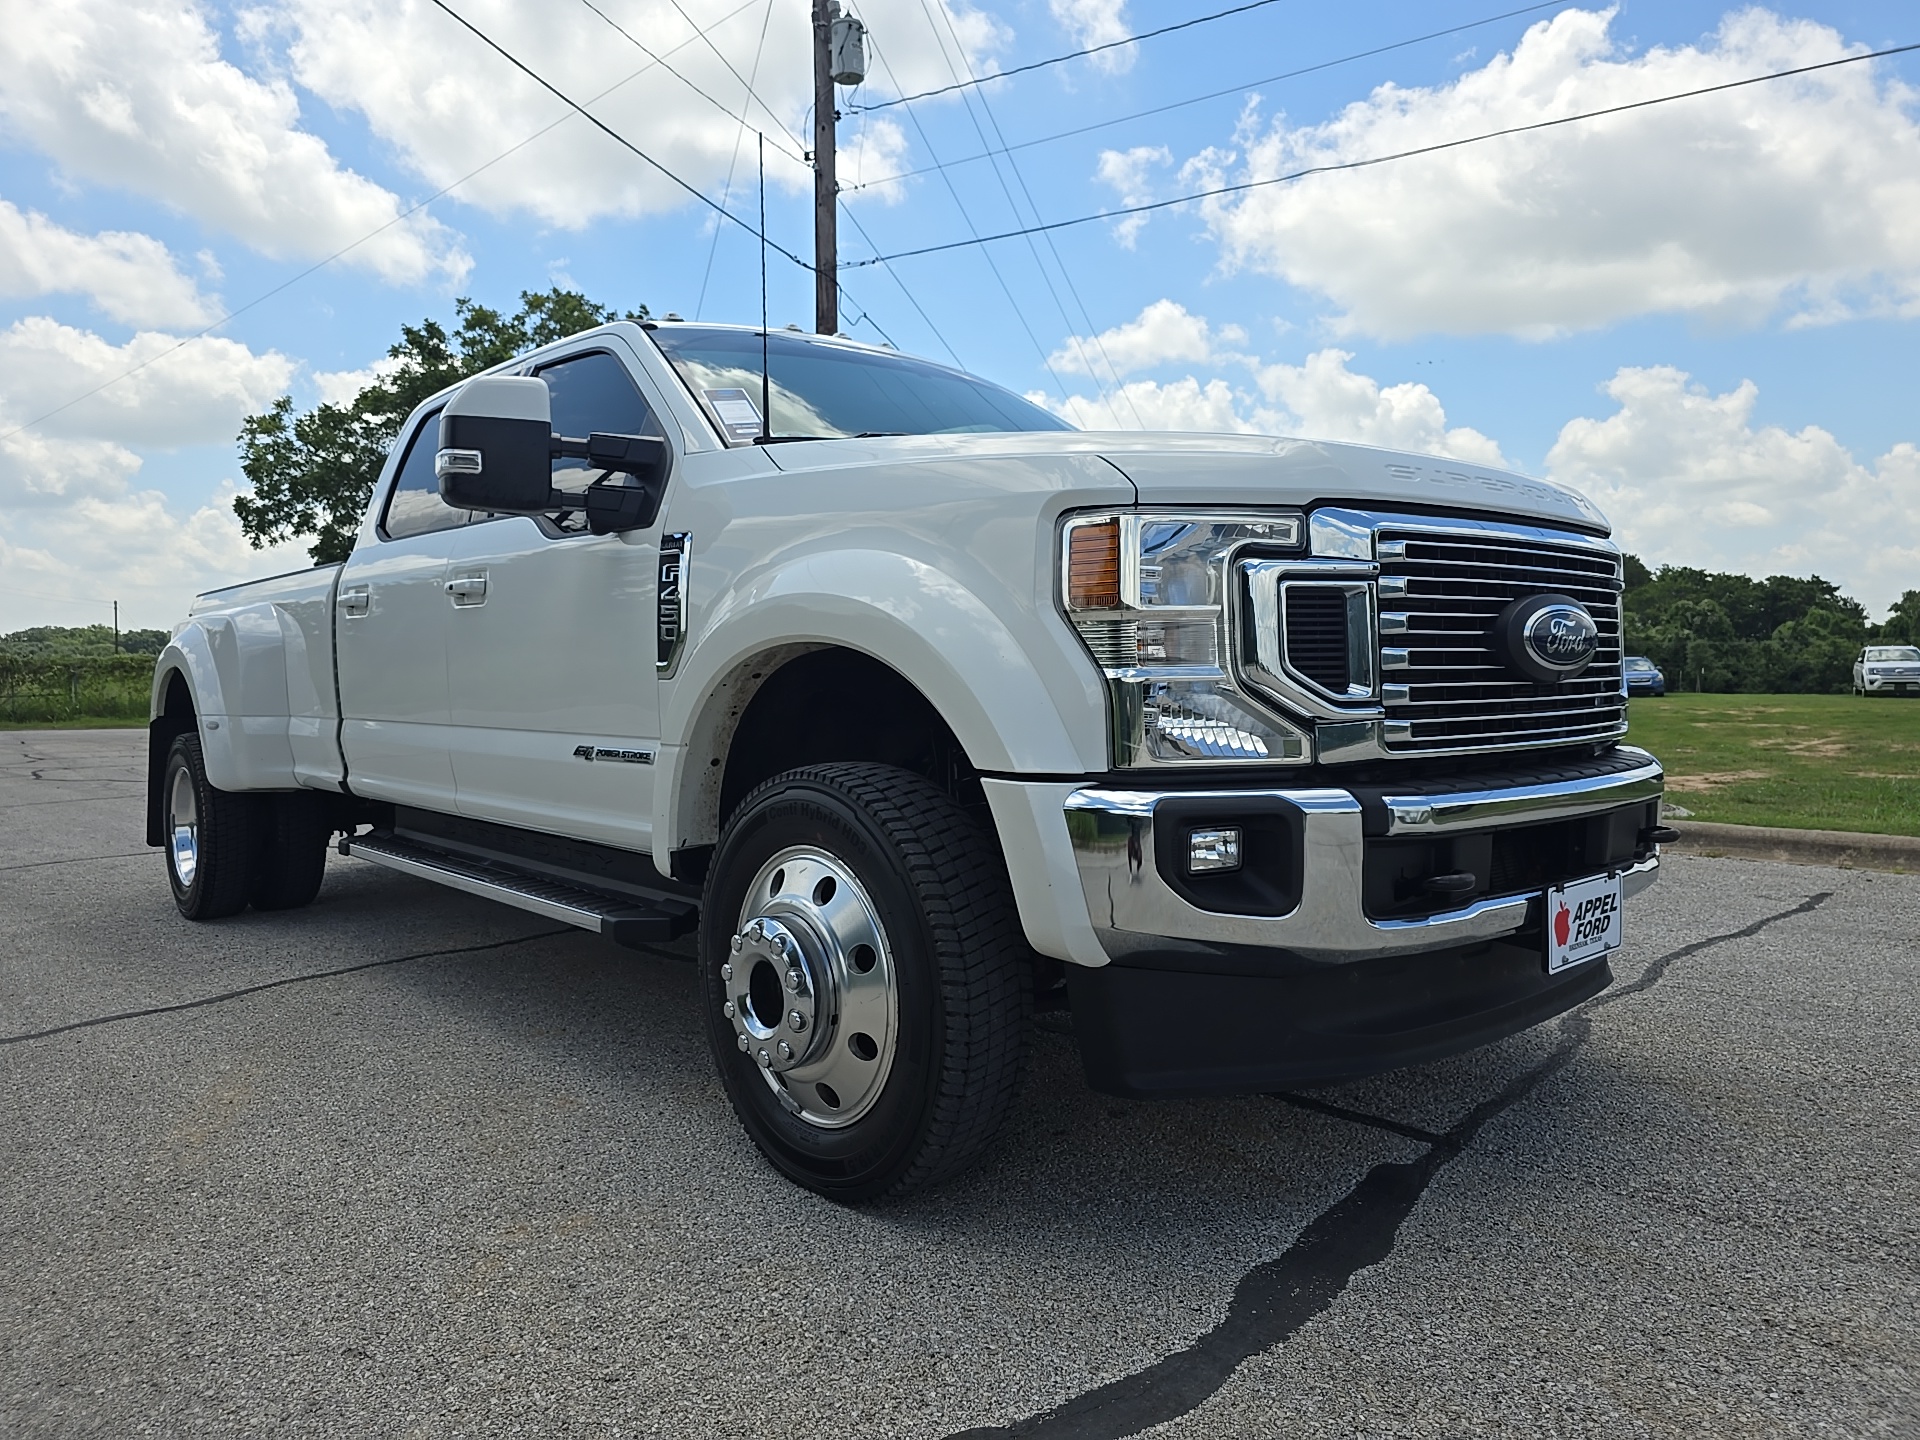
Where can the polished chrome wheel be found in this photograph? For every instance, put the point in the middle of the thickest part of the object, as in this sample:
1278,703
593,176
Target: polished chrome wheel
183,826
810,988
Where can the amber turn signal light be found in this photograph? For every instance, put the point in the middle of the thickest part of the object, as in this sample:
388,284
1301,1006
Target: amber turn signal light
1093,566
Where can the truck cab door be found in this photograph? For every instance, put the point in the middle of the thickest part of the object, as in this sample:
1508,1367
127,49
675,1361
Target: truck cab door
390,624
551,644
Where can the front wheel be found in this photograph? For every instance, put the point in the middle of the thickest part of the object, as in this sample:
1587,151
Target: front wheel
865,981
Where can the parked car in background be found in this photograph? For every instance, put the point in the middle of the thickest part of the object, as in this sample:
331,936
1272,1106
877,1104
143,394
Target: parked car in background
1887,670
1644,677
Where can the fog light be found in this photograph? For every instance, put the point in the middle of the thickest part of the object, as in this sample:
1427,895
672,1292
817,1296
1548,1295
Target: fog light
1209,850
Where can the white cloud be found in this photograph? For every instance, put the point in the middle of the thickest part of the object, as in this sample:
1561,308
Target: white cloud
448,104
72,521
135,94
1165,332
339,387
63,566
1129,173
1688,478
1318,399
1184,404
129,276
1098,22
869,163
194,395
1330,402
1796,195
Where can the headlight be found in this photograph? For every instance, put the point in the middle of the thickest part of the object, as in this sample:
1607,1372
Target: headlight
1148,593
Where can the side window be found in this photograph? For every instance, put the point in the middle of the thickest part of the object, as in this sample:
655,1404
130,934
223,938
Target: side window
594,392
415,506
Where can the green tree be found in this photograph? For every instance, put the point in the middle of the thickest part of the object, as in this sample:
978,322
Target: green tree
1903,624
74,642
312,472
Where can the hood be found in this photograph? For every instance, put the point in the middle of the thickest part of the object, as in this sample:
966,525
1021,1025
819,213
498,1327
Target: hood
1203,469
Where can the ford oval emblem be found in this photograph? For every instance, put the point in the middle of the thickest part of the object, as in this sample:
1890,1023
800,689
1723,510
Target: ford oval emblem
1547,637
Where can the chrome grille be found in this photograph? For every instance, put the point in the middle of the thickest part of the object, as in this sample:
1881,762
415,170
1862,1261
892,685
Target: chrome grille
1444,685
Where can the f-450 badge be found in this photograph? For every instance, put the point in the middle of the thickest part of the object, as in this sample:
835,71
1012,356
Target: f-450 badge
623,757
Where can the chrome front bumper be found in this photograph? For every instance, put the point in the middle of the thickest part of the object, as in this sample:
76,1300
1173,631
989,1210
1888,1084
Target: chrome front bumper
1134,909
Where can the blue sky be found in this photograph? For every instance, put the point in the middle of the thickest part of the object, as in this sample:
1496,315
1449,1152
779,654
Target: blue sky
1702,313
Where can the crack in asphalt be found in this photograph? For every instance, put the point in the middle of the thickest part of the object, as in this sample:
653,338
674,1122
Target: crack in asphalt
1362,1117
1275,1299
301,979
79,859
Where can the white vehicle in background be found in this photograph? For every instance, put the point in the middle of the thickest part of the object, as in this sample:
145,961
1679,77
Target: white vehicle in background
1887,670
1275,762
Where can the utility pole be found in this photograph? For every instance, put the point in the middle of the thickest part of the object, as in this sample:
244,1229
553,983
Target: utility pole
839,57
826,186
116,627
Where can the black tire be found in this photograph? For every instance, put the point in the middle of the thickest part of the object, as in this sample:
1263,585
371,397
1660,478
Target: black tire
292,857
958,965
210,869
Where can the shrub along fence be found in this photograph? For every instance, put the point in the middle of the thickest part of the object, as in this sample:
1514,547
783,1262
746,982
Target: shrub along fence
114,687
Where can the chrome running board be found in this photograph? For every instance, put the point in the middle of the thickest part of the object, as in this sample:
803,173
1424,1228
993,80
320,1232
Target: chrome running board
621,918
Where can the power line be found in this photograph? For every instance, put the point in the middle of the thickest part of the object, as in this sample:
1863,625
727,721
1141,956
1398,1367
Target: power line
865,314
372,234
637,44
607,130
726,190
1329,169
1071,55
1219,94
894,275
960,205
772,114
60,599
1093,330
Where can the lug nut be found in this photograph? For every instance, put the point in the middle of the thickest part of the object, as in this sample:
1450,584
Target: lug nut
786,1051
726,966
737,943
766,1061
782,944
796,1021
795,980
741,1041
727,1010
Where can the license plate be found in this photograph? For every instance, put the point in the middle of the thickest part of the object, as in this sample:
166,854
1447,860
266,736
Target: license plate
1583,921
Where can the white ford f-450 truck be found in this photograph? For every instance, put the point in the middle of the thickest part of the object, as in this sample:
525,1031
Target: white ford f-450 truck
1274,762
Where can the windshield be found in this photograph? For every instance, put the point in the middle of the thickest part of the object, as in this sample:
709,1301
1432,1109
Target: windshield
1893,652
820,390
1635,662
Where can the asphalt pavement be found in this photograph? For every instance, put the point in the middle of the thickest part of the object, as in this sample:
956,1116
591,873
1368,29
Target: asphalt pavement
410,1163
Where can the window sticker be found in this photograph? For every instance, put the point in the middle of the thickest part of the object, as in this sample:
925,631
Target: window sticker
737,412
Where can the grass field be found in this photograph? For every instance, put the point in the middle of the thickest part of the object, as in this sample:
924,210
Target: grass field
80,722
1808,762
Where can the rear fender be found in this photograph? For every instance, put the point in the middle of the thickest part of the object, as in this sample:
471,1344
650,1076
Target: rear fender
235,667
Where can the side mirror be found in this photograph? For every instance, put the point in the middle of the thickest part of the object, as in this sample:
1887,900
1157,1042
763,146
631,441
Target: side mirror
495,445
497,449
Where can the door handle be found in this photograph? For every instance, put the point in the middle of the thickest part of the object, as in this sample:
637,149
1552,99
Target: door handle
355,599
468,589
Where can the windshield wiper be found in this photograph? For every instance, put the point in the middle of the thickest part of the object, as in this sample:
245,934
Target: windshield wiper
794,439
